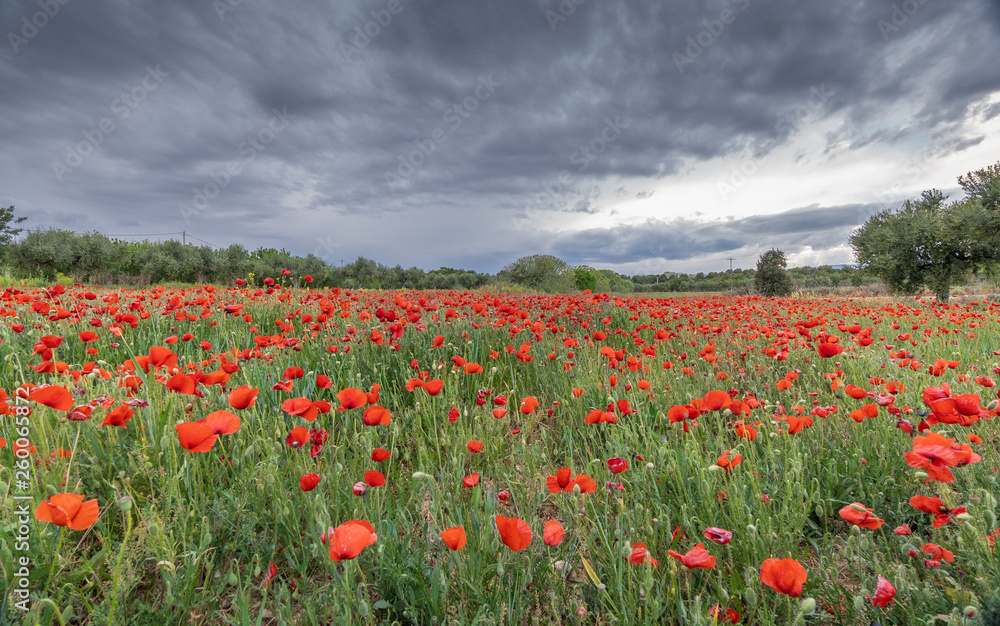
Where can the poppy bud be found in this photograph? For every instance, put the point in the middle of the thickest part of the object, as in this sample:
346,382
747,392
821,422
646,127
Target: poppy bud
920,475
419,476
970,611
859,604
360,488
750,597
808,605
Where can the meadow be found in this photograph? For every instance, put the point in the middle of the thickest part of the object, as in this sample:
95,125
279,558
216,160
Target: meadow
266,454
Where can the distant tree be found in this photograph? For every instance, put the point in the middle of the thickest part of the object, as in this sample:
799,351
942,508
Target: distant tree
771,278
585,278
7,229
540,271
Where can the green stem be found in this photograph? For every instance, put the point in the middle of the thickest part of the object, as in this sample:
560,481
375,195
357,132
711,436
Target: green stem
118,564
55,555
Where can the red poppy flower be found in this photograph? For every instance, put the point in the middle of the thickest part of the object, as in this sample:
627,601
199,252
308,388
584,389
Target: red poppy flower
471,480
695,558
380,455
374,478
884,592
433,387
934,506
617,465
69,510
309,481
243,397
119,416
474,446
640,555
52,396
727,463
784,576
376,416
730,616
454,538
349,539
200,436
553,533
298,437
351,398
718,535
302,407
938,553
514,532
860,515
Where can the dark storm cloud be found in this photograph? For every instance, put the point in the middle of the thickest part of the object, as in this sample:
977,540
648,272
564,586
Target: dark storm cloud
404,113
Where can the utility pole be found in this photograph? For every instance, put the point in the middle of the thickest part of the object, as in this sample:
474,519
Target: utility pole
731,274
184,236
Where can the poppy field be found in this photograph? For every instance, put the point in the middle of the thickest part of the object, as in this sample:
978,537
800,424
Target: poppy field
264,455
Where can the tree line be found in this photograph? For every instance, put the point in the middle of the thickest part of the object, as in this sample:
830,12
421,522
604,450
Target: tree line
925,243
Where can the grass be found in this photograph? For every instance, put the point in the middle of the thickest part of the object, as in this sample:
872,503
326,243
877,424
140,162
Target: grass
188,538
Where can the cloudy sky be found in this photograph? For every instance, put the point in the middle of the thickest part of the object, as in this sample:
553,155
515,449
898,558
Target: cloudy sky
638,135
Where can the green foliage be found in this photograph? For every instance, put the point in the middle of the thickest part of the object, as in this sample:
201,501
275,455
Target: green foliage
613,282
771,278
7,229
928,243
542,272
585,278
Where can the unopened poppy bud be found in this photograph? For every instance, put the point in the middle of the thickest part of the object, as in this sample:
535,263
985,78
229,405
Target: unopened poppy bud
125,504
419,476
855,530
807,605
750,597
963,516
859,604
752,530
50,490
969,527
858,507
920,475
992,406
714,468
650,467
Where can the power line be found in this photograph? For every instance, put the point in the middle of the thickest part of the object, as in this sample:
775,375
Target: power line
139,234
202,240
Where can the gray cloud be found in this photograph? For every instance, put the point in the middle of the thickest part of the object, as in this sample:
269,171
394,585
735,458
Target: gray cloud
361,103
